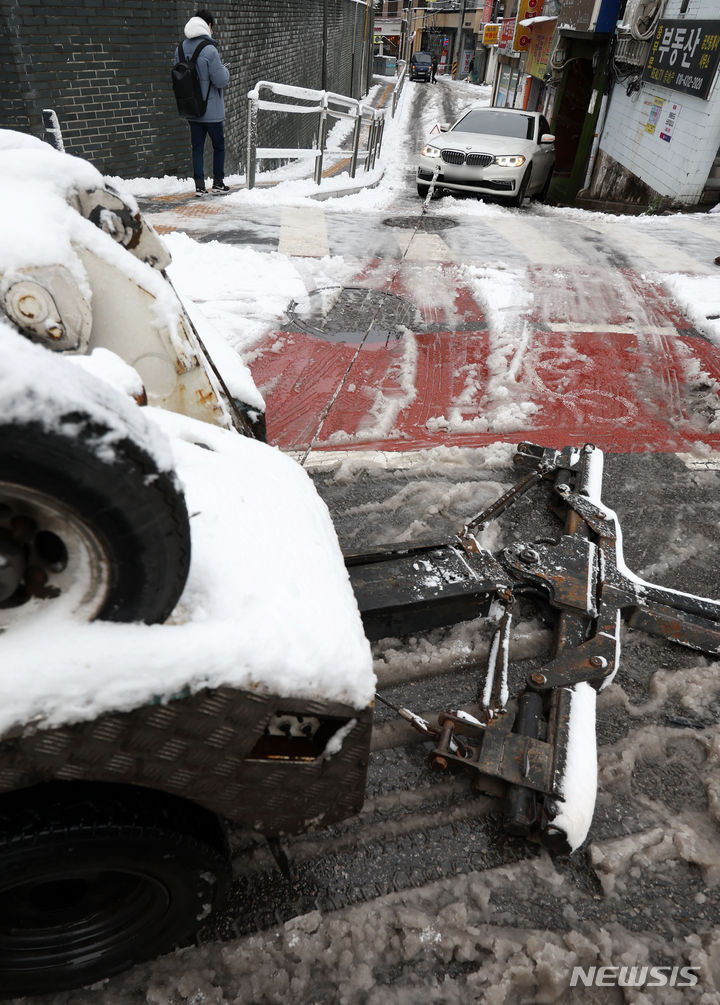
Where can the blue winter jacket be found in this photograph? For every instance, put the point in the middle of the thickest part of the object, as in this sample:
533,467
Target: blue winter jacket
211,70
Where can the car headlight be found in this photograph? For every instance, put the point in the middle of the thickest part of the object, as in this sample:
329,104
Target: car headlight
430,151
510,162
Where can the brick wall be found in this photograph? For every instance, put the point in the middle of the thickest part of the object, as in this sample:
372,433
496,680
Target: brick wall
105,69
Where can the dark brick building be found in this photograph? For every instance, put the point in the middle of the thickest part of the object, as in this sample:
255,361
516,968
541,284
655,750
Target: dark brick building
105,69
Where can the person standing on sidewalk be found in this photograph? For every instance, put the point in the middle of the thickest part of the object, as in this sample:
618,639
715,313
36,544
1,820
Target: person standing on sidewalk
213,76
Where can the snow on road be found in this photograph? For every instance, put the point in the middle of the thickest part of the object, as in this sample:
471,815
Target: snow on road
509,935
558,301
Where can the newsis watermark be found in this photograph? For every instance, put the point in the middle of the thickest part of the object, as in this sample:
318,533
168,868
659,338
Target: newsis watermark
635,977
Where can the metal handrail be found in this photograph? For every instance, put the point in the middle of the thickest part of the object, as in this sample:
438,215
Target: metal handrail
324,104
397,90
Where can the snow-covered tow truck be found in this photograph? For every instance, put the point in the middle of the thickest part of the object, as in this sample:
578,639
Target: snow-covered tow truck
183,642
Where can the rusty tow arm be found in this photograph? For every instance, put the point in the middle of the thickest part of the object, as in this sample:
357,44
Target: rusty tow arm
535,749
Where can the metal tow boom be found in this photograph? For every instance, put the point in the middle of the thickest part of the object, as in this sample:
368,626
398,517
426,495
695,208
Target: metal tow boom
517,747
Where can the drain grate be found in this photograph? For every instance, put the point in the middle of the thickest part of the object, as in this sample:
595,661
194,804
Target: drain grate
343,313
427,225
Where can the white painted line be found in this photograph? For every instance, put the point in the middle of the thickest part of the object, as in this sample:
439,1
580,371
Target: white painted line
532,241
701,462
320,459
710,229
303,232
397,460
424,247
628,329
662,256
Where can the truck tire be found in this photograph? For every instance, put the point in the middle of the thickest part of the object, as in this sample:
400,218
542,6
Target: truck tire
98,532
96,879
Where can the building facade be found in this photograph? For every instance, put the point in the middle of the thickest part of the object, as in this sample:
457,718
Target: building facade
105,69
661,136
630,88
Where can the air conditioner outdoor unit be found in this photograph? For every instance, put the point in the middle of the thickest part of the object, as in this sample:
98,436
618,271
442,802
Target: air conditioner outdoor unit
641,16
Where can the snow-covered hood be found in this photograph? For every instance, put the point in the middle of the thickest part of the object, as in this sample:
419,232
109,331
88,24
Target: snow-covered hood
196,27
483,142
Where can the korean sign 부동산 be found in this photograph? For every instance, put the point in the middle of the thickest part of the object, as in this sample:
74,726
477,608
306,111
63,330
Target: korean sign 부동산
684,56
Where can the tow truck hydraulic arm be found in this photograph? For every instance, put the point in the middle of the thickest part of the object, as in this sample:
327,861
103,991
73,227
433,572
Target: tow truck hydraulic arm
536,749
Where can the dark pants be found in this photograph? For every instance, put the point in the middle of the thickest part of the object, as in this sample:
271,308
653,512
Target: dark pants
198,132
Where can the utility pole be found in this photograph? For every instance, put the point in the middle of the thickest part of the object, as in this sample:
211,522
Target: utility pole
323,72
409,34
458,37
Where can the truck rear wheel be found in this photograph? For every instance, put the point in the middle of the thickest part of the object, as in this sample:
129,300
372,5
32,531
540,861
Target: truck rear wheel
87,523
94,880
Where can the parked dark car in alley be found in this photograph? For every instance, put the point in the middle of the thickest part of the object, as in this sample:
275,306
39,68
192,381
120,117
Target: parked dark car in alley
421,66
507,153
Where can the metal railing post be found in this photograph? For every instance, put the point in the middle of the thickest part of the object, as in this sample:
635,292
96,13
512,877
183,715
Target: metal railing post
251,143
321,137
52,133
379,138
370,142
356,142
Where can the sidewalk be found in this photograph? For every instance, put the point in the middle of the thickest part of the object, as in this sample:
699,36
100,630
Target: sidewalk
187,204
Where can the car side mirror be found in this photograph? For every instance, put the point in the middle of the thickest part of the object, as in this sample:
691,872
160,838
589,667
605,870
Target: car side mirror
545,138
444,127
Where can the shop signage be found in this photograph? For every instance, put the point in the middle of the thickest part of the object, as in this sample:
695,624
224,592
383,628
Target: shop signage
654,115
671,116
523,34
684,56
507,33
388,27
590,15
538,55
487,11
491,34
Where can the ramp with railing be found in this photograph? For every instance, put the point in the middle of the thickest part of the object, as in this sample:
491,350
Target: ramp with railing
269,96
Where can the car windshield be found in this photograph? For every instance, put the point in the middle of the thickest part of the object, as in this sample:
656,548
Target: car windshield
494,123
421,57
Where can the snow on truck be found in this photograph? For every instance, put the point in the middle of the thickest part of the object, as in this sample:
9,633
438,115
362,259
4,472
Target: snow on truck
160,677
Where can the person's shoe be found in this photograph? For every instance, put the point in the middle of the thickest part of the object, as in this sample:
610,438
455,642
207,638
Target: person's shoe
220,186
200,189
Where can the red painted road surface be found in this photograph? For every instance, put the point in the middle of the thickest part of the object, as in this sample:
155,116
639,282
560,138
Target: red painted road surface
640,388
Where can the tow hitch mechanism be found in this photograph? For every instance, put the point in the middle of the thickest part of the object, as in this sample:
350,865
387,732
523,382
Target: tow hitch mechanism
536,750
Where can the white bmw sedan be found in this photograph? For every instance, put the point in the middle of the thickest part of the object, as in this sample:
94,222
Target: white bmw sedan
506,153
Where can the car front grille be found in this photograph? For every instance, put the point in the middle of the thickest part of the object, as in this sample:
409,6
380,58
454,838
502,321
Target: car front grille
472,160
479,160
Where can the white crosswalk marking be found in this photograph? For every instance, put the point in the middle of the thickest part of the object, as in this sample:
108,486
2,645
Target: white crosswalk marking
532,241
711,229
424,247
659,254
303,232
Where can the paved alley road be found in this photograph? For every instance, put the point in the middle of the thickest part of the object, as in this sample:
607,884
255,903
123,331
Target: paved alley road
466,327
462,323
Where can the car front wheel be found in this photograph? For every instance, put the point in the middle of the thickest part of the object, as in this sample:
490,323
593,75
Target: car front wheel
519,197
543,193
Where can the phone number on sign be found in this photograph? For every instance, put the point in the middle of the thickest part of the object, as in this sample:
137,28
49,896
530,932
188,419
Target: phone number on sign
685,80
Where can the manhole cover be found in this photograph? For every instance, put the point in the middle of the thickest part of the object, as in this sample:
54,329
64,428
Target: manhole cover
344,313
427,224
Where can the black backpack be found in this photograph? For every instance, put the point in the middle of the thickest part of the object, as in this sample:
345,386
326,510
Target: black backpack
186,83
